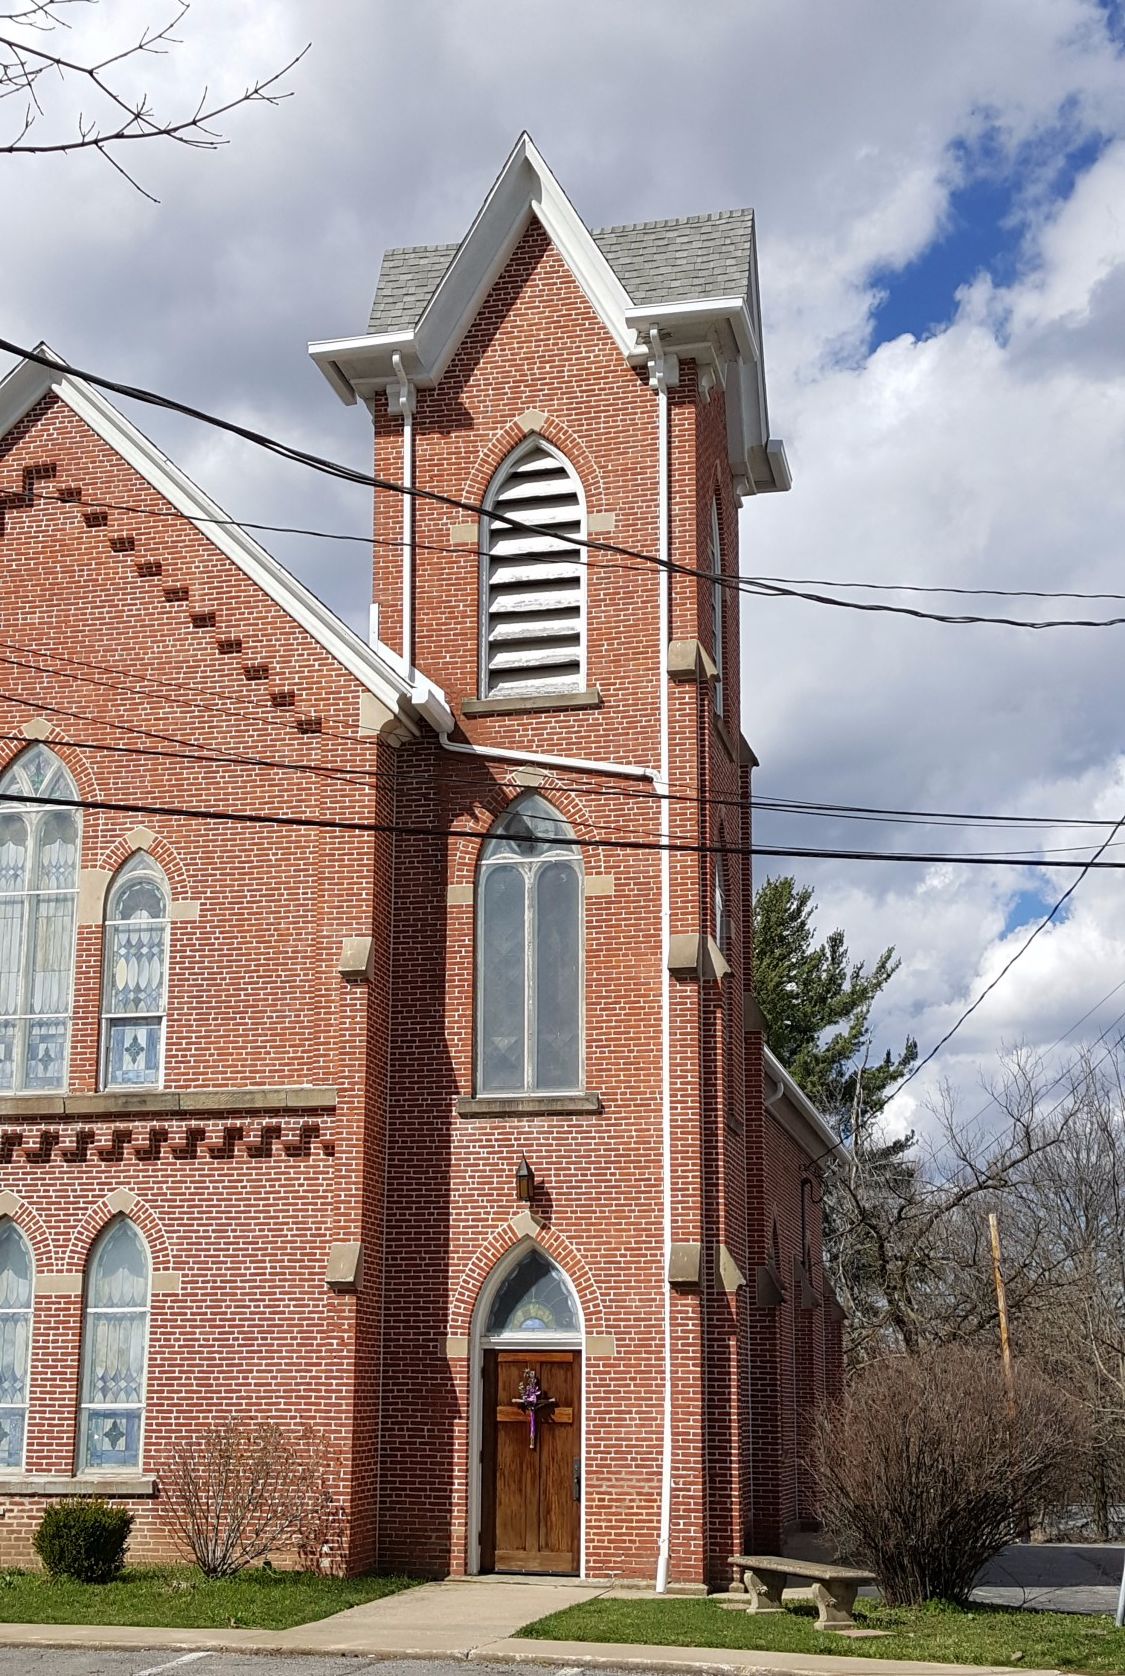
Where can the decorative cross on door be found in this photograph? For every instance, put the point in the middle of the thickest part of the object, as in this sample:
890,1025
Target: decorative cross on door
534,1401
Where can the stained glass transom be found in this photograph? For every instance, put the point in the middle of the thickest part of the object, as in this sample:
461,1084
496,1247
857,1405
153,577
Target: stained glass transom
115,1350
39,854
16,1293
529,954
534,1298
136,974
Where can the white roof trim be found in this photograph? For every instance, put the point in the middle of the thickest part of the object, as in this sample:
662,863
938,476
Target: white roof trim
524,188
800,1101
28,383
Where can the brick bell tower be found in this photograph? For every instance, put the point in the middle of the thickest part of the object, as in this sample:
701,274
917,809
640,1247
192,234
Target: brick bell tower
561,1329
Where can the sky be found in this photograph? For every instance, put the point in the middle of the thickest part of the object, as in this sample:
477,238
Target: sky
940,192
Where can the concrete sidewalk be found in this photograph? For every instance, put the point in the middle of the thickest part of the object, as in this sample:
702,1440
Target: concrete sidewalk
476,1621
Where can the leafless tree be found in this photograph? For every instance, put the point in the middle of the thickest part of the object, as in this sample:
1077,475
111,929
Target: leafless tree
113,114
899,1223
923,1468
241,1491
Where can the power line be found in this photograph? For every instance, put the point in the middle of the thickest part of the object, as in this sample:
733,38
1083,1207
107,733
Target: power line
1020,952
351,474
934,588
446,834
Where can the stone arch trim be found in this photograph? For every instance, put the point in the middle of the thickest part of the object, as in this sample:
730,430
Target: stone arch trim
31,1225
490,806
69,755
502,442
139,840
121,1202
524,1231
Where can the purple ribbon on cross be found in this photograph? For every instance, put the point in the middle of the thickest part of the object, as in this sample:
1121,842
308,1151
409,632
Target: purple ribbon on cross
532,1398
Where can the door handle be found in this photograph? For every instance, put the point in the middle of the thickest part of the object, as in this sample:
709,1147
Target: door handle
576,1479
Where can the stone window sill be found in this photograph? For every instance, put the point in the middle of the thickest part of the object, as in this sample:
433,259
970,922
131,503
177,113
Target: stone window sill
94,1484
528,1105
517,703
110,1103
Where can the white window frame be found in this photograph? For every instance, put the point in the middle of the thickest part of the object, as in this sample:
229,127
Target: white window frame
9,1471
528,866
36,815
718,606
143,865
495,488
89,1310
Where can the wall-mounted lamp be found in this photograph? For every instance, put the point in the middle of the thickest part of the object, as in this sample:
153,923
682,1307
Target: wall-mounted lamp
525,1183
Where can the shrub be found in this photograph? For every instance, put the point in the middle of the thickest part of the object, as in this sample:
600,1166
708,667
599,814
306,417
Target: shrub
924,1474
241,1491
84,1539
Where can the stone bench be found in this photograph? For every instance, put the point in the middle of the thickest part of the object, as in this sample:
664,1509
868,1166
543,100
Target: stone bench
834,1587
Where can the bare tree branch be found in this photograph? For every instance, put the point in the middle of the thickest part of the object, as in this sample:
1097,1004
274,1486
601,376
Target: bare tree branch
118,114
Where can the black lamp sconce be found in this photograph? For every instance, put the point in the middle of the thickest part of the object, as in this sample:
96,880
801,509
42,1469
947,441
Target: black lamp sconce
525,1183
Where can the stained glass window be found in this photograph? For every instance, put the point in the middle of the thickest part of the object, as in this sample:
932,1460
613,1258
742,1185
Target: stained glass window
39,849
16,1294
534,1298
136,976
115,1348
529,954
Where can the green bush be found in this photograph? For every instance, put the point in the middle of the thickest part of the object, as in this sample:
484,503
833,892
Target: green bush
84,1539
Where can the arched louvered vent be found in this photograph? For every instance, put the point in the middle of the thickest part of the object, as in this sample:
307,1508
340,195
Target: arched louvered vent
534,630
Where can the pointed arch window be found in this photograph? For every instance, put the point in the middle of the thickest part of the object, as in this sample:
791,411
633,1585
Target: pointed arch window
717,604
135,981
529,954
534,1298
533,587
17,1294
115,1350
39,851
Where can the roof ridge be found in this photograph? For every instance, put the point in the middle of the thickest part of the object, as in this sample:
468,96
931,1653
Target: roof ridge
675,221
412,249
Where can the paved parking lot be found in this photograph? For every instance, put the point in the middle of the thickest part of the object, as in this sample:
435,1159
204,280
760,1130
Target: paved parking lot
1054,1577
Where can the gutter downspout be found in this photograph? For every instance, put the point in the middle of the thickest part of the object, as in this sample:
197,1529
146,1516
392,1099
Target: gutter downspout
664,370
404,397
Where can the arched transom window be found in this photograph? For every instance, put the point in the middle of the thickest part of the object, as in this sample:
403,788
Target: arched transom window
17,1291
115,1350
529,954
533,594
39,849
533,1299
136,976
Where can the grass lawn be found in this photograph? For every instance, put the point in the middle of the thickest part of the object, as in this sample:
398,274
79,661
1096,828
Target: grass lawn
179,1597
984,1635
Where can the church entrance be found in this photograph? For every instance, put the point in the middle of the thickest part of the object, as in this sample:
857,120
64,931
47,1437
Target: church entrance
528,1447
531,1461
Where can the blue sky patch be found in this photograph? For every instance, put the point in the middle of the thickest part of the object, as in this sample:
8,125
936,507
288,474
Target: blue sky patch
984,226
1030,905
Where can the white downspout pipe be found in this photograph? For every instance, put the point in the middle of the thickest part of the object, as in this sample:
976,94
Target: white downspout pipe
404,396
664,370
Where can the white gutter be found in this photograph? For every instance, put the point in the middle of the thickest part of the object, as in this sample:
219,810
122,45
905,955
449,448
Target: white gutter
586,765
403,397
797,1097
664,369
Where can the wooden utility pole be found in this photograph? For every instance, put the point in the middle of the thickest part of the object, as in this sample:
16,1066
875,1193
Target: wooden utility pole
1006,1357
1002,1310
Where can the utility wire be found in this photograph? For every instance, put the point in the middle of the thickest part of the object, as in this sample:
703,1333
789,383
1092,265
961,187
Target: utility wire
350,474
1020,952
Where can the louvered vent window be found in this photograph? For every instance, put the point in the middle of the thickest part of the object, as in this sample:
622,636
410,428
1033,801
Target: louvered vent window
534,630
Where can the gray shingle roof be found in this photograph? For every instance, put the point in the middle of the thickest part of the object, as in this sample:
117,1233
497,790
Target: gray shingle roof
656,262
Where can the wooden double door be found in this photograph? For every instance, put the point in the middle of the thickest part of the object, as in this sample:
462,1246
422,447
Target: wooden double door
531,1488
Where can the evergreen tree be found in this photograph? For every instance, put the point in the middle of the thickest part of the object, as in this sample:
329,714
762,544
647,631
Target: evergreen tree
816,1004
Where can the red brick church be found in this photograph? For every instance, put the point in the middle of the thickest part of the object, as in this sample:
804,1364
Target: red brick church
378,1048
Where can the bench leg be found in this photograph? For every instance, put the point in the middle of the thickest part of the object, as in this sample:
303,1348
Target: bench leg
765,1590
835,1602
